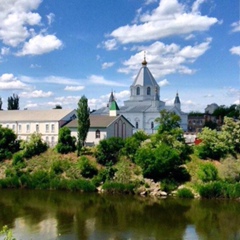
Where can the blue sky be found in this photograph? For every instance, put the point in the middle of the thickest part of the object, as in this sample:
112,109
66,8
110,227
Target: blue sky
53,52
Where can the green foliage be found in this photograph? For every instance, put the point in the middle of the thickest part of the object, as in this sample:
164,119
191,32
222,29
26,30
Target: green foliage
207,172
66,143
185,193
17,158
13,102
8,143
158,163
133,143
88,170
34,146
108,150
59,166
115,187
83,113
168,185
220,190
105,175
123,174
7,233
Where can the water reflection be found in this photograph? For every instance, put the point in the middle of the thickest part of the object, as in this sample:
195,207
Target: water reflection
65,215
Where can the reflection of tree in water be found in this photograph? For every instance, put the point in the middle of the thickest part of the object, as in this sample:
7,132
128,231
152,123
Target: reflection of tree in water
216,219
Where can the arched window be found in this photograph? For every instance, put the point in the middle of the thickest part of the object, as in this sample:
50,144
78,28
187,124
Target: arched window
138,90
136,125
152,125
97,135
148,91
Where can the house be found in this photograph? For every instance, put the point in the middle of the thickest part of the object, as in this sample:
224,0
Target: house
144,105
47,122
105,126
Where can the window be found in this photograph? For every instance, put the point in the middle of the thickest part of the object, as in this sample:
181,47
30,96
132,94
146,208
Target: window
19,128
52,141
7,125
47,139
138,90
148,91
37,128
13,127
136,125
97,134
47,128
28,128
52,128
152,125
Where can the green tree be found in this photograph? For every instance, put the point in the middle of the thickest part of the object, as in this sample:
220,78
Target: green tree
13,102
1,103
58,106
8,143
34,146
83,113
108,150
66,143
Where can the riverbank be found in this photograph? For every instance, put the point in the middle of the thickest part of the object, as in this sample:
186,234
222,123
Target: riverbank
54,171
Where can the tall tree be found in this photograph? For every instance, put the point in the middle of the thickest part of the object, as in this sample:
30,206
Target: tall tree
13,102
83,113
58,106
1,103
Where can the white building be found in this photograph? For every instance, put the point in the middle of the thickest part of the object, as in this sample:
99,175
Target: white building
47,122
105,126
144,105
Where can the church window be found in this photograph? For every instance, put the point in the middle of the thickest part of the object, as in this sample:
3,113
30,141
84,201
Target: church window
152,125
138,90
148,91
136,125
97,135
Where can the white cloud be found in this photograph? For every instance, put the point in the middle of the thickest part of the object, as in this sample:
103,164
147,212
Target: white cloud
15,16
36,94
50,18
236,26
168,19
35,66
74,88
5,51
61,80
235,50
196,5
101,81
163,83
67,100
107,65
147,2
9,82
40,44
166,59
110,44
208,95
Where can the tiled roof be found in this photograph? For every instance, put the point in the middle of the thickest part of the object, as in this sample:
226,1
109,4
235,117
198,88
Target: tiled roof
96,121
34,115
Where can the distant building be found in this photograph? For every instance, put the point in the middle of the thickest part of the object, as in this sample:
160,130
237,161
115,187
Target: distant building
47,122
105,126
144,105
211,108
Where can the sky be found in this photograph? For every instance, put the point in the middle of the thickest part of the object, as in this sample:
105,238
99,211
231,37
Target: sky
53,52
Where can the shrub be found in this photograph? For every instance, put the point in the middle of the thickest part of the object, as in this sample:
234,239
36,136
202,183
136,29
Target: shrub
66,143
108,150
207,172
7,233
59,166
34,146
104,175
211,190
185,193
88,170
168,185
17,158
115,187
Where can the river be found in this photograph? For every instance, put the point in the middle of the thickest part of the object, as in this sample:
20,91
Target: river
48,215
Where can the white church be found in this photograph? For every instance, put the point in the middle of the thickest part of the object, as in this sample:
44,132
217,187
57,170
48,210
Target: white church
144,105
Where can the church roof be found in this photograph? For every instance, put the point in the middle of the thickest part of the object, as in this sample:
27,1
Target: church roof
144,77
177,100
114,106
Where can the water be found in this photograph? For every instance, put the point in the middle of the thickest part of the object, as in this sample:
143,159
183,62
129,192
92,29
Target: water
61,215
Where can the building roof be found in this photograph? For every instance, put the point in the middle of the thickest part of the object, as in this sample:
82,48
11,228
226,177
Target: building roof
177,100
34,115
114,106
98,121
144,77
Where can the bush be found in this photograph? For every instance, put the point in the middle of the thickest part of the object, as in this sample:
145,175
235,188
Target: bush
17,158
115,187
207,172
104,175
168,185
34,146
59,166
185,193
108,150
66,143
87,169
